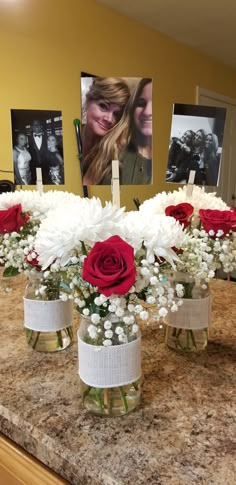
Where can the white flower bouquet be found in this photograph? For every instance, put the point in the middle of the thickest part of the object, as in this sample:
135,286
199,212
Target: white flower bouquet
109,264
210,247
209,222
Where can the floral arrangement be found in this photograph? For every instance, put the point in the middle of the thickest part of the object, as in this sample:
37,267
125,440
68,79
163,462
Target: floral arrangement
109,263
209,222
20,216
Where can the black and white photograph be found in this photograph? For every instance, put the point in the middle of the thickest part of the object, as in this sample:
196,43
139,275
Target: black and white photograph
116,125
196,143
37,141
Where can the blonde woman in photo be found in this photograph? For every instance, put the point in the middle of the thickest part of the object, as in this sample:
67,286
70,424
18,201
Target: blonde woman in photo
106,128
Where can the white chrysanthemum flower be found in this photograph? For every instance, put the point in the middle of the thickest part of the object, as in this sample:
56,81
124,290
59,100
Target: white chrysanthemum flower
157,233
37,204
81,220
198,198
119,330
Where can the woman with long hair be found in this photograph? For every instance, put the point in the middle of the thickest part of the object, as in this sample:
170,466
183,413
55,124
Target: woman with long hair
197,162
55,162
136,159
212,160
180,153
105,129
21,158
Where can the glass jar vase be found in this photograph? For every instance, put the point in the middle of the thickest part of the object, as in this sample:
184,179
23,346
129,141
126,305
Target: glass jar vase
110,375
187,329
48,320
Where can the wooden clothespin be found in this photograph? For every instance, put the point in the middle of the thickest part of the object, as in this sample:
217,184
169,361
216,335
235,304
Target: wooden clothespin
39,180
190,183
115,187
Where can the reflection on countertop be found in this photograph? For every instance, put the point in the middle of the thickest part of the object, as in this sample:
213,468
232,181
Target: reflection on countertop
183,433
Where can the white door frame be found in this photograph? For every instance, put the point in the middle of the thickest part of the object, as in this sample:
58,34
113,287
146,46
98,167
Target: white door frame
231,102
213,95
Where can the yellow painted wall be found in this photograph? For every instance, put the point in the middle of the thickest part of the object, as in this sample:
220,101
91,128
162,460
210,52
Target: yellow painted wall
44,46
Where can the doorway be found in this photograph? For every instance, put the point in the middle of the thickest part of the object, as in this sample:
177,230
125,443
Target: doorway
227,181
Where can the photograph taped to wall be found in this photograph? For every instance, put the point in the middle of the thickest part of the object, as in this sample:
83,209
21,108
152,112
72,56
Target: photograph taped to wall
37,141
116,124
196,144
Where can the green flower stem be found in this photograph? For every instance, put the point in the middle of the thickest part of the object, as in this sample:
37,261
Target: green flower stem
187,347
136,385
175,334
29,335
188,339
36,340
86,393
69,332
84,250
100,401
123,396
59,339
104,397
107,401
193,339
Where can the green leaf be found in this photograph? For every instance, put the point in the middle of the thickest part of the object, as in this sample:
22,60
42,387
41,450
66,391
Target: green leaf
11,271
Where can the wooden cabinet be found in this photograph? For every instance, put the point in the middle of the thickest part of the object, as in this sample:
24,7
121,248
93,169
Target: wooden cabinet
18,467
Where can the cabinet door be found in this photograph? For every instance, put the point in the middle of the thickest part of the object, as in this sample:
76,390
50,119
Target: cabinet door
19,468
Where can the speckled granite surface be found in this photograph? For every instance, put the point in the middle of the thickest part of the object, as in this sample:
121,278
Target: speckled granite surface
184,432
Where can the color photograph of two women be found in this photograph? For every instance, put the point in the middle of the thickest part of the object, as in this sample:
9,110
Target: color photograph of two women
116,125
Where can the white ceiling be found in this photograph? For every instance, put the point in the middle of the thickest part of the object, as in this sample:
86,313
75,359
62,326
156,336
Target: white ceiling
206,25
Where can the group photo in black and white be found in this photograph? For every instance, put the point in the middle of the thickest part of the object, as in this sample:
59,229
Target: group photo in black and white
37,141
196,144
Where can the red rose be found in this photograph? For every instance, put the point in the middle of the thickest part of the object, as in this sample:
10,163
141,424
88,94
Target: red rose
181,212
233,209
12,219
215,220
110,266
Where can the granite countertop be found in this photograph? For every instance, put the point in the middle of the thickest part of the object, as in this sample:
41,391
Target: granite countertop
184,432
